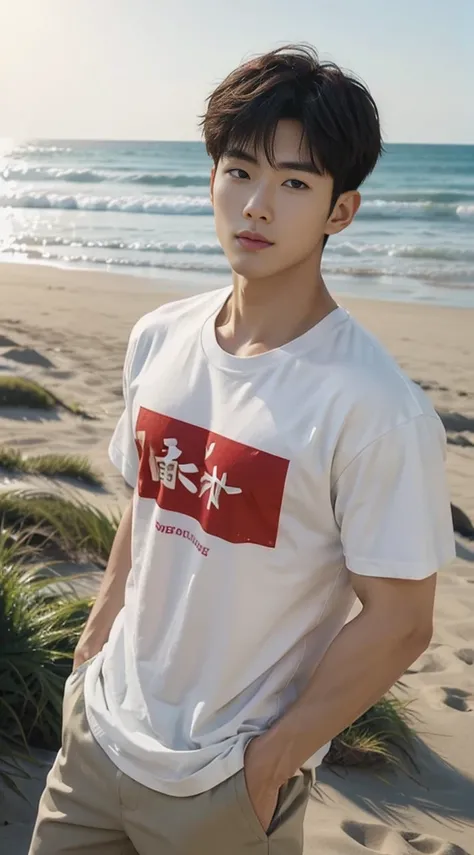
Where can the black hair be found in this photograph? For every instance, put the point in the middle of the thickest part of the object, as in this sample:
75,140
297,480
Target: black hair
339,117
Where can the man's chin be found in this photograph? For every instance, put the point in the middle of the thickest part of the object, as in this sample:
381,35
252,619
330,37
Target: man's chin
252,268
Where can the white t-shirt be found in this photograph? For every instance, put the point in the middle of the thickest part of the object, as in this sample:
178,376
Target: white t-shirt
258,482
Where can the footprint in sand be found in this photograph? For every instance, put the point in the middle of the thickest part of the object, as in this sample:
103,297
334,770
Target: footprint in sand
28,356
5,341
452,697
461,522
456,422
380,838
434,662
457,699
466,655
459,440
428,663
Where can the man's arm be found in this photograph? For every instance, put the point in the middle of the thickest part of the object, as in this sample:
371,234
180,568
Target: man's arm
391,505
362,663
110,598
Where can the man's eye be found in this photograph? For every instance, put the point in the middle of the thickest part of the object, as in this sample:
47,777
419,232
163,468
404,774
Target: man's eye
295,184
238,173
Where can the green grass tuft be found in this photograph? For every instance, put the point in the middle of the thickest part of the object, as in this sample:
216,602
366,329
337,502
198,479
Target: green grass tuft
71,465
18,392
38,636
382,736
80,531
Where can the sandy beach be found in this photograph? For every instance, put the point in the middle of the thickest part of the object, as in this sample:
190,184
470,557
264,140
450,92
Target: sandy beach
67,329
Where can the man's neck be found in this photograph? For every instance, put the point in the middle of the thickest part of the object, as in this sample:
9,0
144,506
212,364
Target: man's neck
265,314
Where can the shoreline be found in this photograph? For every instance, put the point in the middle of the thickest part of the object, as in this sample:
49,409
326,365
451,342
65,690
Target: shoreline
195,282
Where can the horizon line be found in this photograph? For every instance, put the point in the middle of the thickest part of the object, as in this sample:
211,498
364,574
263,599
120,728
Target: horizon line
29,139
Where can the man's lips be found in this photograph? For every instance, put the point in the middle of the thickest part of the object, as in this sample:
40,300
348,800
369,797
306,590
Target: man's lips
253,241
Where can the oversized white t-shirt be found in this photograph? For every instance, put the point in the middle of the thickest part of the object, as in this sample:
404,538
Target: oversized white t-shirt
259,482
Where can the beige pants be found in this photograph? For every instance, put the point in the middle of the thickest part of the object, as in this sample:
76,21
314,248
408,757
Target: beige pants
88,806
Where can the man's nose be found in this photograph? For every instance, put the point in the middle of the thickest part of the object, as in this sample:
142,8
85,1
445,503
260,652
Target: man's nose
259,206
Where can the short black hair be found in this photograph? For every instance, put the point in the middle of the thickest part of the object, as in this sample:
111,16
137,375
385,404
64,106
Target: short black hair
339,118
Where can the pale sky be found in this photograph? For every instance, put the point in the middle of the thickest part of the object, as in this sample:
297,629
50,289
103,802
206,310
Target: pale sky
141,69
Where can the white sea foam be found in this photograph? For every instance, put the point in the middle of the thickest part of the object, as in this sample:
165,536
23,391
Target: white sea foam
170,205
201,205
186,246
393,250
97,176
450,277
414,209
217,267
345,249
464,211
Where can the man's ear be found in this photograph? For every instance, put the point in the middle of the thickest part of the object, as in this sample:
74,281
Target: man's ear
213,178
343,212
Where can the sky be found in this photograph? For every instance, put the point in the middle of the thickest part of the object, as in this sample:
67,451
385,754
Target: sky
142,69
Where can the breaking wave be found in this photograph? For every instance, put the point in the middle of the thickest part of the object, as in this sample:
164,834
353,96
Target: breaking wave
187,246
201,205
196,205
98,176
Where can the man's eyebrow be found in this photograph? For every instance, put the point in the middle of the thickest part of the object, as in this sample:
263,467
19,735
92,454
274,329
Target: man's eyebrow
300,166
297,165
240,154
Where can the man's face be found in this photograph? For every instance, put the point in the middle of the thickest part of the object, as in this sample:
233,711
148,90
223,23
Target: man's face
288,206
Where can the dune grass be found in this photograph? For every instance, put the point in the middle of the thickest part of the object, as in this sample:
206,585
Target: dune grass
20,392
383,736
71,465
38,636
78,530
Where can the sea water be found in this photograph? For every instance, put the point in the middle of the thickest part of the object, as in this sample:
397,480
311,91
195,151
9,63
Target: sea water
144,208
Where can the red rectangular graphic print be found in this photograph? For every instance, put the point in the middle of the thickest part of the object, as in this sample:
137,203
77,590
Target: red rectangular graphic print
234,491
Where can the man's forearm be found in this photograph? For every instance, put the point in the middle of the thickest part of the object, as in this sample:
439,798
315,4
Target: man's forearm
110,598
362,663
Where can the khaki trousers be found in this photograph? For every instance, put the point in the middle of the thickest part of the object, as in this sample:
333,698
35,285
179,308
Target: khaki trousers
89,806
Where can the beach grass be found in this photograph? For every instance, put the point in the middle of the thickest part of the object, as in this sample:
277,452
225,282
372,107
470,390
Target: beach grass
19,392
39,630
78,530
22,392
382,736
70,465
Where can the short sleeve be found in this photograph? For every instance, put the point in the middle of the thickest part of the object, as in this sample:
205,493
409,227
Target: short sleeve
392,504
122,448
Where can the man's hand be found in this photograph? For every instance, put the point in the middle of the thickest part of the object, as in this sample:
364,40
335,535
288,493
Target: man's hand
260,781
88,646
81,655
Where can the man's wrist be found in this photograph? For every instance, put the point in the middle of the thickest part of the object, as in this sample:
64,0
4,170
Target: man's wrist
275,756
91,642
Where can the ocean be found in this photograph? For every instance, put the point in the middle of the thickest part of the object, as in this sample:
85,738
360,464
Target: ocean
143,208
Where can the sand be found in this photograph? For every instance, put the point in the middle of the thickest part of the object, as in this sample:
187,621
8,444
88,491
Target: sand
68,331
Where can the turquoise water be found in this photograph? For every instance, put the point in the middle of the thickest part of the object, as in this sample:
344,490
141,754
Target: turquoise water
144,208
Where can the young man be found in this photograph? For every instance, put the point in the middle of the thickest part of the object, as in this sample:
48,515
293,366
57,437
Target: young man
282,467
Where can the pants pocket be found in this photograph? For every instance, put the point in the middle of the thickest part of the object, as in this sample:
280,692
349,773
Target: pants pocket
252,821
289,813
73,689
